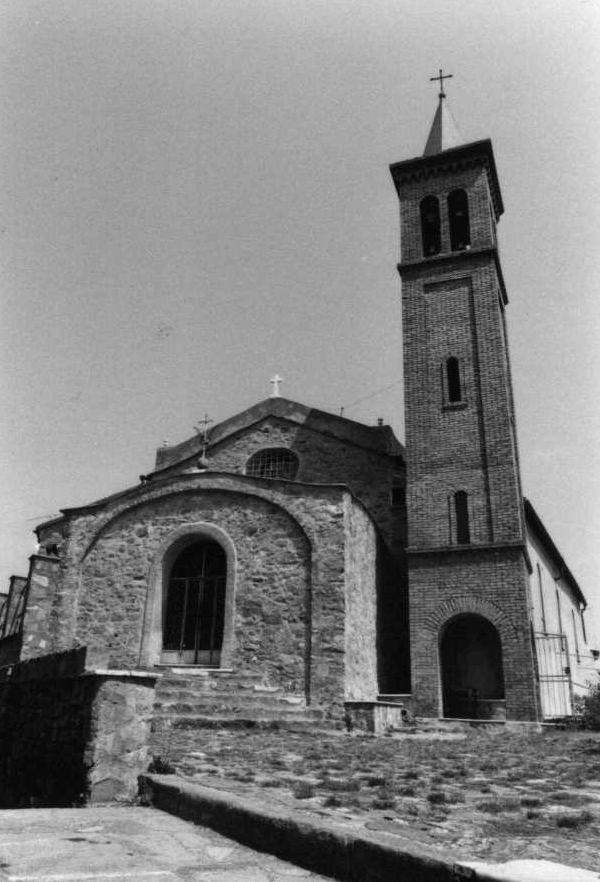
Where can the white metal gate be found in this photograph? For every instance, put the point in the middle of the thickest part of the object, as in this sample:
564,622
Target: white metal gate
555,675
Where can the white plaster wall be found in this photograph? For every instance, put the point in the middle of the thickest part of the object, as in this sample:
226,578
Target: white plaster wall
551,593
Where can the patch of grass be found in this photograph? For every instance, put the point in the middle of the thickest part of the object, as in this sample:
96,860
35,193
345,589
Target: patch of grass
406,790
491,806
567,798
376,781
531,801
574,819
303,790
383,802
160,766
244,777
351,785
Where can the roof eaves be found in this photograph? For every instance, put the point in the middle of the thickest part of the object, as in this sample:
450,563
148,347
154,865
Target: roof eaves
535,522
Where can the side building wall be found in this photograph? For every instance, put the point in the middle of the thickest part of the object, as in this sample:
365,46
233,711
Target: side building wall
556,610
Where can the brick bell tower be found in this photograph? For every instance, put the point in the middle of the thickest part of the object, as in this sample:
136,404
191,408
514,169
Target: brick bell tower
471,645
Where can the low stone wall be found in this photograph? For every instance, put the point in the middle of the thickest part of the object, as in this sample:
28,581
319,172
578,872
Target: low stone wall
10,648
71,732
376,717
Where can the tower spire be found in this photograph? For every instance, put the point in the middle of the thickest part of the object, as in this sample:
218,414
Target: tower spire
444,132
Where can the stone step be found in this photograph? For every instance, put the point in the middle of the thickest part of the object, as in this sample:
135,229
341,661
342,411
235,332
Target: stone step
395,698
210,705
172,727
185,691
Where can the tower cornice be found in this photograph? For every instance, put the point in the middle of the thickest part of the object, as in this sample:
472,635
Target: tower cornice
478,153
458,259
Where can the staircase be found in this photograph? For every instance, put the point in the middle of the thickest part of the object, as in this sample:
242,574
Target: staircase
188,700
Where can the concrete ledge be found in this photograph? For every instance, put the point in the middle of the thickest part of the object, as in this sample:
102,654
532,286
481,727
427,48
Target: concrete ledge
324,847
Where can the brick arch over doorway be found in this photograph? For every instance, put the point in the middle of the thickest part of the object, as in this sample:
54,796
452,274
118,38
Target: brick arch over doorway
427,682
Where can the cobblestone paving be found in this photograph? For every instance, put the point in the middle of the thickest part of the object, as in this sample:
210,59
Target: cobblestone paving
475,796
127,844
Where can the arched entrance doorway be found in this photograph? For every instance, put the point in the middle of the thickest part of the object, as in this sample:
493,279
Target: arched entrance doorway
472,675
194,611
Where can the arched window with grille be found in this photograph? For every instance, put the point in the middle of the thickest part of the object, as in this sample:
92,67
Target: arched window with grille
430,226
458,218
273,462
461,510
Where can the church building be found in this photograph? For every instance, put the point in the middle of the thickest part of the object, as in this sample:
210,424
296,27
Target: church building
321,564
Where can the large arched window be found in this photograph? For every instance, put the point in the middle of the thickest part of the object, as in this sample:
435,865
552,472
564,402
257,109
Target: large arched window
461,509
273,462
430,226
453,379
458,217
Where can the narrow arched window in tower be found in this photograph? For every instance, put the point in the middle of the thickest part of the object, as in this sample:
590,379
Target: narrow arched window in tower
461,507
430,226
453,379
458,217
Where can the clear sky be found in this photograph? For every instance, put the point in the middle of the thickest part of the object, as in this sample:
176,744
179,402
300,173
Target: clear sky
195,194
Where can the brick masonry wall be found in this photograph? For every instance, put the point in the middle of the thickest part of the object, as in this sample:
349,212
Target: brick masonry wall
482,582
454,310
67,736
474,181
453,306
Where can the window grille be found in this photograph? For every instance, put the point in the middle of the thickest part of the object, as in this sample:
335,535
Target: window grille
277,462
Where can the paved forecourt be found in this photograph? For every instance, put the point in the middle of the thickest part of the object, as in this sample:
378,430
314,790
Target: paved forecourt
127,844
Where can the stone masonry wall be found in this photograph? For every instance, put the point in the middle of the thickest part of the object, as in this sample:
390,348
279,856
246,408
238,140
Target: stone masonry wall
43,579
271,580
361,604
67,736
323,459
289,575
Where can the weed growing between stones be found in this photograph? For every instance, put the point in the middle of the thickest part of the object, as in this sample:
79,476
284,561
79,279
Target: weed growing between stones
531,801
160,766
303,790
573,820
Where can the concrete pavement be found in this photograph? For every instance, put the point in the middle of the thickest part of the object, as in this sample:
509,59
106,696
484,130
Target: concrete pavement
127,844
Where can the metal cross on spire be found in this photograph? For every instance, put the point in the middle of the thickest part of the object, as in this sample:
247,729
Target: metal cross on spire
441,77
202,427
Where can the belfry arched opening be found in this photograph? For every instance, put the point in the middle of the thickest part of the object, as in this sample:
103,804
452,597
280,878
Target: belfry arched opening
472,673
195,606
